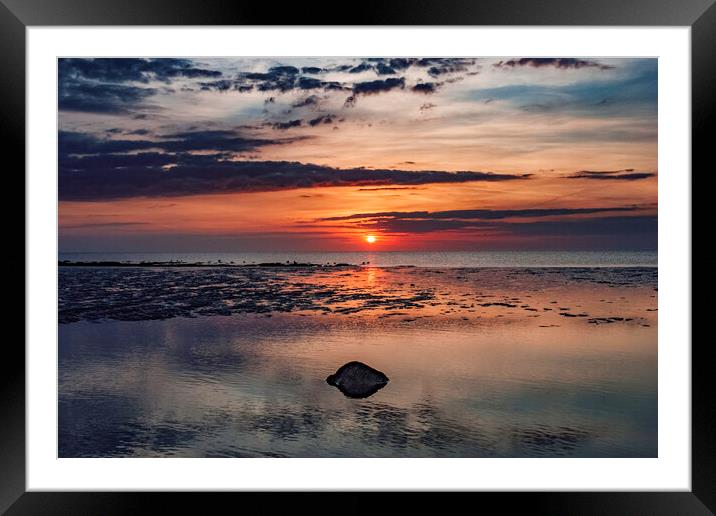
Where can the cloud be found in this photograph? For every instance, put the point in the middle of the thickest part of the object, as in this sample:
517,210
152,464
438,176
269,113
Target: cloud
309,83
314,70
324,119
120,70
94,179
384,69
220,85
445,65
210,140
100,161
478,214
277,78
100,85
436,71
311,100
426,87
285,79
284,70
619,230
101,98
378,86
620,175
435,65
363,67
552,62
287,125
400,63
613,227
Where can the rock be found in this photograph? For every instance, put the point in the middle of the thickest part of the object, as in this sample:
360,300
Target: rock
357,380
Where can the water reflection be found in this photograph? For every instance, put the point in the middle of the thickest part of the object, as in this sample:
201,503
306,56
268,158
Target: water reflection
247,386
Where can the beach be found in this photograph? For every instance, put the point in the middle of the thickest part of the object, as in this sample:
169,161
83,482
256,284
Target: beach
232,361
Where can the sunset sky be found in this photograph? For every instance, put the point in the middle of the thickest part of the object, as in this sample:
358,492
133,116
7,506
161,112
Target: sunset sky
316,154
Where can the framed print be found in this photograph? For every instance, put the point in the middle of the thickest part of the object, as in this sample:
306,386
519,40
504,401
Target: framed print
438,249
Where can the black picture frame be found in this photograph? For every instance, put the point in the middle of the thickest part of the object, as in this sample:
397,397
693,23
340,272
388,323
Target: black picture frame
700,15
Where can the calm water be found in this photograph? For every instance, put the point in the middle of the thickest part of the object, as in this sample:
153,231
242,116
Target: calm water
482,362
390,259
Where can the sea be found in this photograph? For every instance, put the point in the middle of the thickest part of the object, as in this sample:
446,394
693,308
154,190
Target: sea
450,259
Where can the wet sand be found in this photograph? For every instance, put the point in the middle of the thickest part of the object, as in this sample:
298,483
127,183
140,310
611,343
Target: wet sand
482,362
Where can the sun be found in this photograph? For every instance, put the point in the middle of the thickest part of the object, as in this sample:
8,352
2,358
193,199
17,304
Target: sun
370,239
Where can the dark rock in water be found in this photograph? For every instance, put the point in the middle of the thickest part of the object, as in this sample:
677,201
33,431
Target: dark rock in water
357,380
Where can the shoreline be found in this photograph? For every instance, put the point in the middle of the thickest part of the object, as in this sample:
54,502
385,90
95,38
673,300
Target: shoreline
293,264
308,265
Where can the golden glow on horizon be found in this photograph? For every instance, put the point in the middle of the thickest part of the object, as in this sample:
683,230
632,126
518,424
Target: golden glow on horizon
301,219
370,239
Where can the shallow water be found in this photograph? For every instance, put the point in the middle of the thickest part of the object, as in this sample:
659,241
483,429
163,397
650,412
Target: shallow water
482,363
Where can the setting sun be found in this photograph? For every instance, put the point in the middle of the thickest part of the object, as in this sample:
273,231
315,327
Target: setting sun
370,239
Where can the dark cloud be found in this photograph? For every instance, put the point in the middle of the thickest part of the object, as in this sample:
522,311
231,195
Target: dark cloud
284,79
622,231
620,175
100,161
119,70
363,67
287,125
324,119
277,79
479,214
100,85
379,86
435,65
446,66
436,71
384,69
120,176
401,63
350,102
426,87
101,98
284,70
222,85
309,83
554,62
645,225
311,100
314,70
607,225
217,140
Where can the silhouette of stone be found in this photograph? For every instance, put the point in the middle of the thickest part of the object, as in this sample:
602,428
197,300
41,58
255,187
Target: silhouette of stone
357,380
